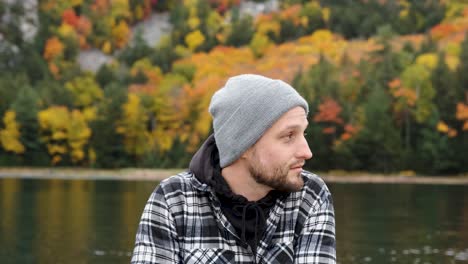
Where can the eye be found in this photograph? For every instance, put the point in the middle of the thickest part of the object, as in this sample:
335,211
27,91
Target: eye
289,136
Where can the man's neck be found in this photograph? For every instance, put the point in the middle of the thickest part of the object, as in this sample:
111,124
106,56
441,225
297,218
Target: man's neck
242,183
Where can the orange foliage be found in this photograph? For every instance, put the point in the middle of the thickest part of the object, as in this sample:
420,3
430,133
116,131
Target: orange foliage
399,91
395,83
84,26
329,111
54,70
462,114
329,130
100,6
292,13
142,88
462,111
409,94
53,48
442,30
191,106
351,129
345,136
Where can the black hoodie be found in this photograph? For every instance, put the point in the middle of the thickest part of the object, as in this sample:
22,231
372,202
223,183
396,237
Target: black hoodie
248,218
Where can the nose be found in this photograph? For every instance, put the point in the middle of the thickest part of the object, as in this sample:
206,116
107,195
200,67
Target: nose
304,151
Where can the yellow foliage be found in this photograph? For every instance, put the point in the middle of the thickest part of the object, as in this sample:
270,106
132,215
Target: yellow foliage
193,22
78,135
92,156
194,40
106,47
76,2
90,113
259,44
428,60
214,22
120,8
85,90
64,133
153,73
326,14
442,127
132,126
182,51
10,135
452,62
263,27
138,12
120,34
453,49
321,35
65,30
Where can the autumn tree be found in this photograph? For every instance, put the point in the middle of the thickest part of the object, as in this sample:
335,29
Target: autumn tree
66,134
85,90
10,134
132,126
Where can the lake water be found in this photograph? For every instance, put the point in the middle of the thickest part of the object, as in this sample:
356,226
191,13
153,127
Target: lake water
82,221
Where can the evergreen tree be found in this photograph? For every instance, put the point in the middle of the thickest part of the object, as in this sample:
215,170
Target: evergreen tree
107,144
26,106
434,153
445,85
378,145
242,29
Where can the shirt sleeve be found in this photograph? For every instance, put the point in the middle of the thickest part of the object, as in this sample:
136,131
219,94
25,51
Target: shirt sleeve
156,239
317,244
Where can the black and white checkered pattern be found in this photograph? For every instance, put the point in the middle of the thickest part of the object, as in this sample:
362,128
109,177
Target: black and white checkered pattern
182,223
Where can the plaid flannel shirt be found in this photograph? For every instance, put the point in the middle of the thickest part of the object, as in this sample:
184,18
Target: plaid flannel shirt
182,222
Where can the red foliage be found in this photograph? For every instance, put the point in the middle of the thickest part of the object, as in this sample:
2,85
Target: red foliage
329,111
69,17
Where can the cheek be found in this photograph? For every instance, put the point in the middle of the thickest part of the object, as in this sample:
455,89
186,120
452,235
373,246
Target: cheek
272,158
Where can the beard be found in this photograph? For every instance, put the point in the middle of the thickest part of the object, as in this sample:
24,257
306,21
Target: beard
277,178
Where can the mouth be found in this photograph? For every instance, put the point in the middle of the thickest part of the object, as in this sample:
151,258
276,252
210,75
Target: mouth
297,166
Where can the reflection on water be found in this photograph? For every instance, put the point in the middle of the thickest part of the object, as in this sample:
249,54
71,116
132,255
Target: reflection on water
77,221
390,223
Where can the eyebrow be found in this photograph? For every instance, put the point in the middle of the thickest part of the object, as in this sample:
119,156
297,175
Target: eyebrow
295,126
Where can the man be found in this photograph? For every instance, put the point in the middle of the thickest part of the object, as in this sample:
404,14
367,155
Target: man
245,198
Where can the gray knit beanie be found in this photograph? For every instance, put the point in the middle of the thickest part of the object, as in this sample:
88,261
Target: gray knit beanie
245,108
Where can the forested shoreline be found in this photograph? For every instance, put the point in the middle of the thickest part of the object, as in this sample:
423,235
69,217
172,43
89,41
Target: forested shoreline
387,81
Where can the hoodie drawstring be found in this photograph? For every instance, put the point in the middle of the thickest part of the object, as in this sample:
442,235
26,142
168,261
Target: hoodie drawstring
259,218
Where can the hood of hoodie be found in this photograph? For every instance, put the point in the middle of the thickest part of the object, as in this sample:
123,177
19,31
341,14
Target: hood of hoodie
247,217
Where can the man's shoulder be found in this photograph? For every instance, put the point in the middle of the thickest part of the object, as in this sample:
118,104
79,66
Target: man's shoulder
182,181
313,180
315,186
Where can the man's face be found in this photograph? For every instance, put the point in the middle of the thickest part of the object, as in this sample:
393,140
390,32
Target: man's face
277,158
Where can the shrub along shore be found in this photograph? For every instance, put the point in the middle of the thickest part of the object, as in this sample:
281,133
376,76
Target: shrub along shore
134,174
